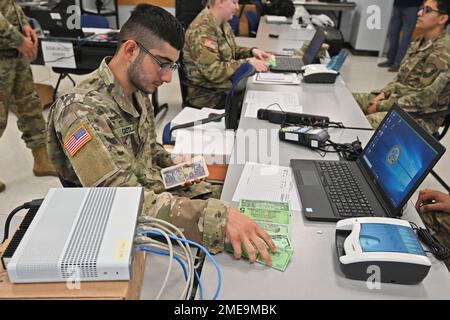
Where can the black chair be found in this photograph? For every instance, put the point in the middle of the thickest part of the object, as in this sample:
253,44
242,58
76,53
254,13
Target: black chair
233,105
439,135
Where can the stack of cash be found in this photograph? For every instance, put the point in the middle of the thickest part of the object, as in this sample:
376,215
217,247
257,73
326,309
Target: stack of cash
274,218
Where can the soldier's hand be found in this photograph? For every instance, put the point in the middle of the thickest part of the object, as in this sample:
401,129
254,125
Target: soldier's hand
28,49
261,55
30,33
432,200
240,229
378,98
372,108
259,65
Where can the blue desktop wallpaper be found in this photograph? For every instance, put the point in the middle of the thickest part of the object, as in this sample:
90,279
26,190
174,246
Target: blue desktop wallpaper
398,157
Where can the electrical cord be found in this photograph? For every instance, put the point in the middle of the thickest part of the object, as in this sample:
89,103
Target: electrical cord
203,249
183,266
440,251
347,151
36,203
146,223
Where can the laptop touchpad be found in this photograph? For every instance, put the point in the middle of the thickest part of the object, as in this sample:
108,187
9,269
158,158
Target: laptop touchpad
309,178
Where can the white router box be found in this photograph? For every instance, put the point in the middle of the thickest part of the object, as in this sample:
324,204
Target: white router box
79,234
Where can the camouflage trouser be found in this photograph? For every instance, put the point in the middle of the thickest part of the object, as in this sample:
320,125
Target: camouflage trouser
18,95
363,100
208,99
431,125
202,190
438,223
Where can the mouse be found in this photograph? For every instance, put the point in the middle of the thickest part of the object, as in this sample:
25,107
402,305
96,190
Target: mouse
272,35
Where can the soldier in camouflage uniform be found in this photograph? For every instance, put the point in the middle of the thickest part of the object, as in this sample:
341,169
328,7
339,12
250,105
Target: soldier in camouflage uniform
211,55
418,88
102,133
18,46
434,209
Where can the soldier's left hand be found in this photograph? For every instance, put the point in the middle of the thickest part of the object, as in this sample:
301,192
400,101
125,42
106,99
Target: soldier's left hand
261,55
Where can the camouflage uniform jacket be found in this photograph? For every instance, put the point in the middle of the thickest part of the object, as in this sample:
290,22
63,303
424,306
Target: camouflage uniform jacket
418,87
97,136
211,57
12,21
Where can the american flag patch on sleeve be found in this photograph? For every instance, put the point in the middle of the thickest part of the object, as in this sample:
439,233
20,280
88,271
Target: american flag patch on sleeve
77,140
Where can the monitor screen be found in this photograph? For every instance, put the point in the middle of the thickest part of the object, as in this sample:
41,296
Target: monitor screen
398,156
337,62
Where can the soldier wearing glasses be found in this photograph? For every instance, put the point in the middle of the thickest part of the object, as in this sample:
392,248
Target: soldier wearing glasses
102,134
421,86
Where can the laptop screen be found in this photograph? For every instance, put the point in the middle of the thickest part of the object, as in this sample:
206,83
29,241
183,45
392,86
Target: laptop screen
313,49
398,156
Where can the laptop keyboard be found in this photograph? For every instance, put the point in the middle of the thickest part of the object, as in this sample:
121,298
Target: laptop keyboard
289,64
343,190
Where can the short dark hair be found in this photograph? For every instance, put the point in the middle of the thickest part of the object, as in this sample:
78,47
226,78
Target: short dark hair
443,7
150,24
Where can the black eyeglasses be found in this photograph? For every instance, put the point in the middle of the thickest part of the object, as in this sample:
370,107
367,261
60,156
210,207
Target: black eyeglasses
162,65
427,9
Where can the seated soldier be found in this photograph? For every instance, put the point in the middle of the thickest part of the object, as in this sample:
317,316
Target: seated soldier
102,134
211,55
427,57
434,209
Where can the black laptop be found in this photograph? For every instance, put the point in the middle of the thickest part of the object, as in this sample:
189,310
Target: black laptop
295,64
391,167
54,23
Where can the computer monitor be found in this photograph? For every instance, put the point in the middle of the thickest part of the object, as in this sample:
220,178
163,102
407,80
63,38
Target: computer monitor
399,156
312,52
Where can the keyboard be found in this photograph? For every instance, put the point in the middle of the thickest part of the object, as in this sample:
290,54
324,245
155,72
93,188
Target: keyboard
343,190
288,64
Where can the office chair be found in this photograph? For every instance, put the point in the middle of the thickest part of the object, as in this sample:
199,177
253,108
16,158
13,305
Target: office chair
233,105
446,124
87,21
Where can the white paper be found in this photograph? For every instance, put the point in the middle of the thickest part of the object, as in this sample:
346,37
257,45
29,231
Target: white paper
270,18
252,109
192,114
215,146
269,183
279,78
269,97
58,54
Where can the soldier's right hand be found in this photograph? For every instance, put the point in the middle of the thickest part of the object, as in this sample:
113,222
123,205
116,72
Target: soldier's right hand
380,97
241,230
433,200
28,49
259,65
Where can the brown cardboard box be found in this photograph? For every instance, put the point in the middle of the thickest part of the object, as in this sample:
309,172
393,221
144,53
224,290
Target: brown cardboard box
117,290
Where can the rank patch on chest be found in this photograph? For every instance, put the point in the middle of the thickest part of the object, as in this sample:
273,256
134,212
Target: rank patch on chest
77,140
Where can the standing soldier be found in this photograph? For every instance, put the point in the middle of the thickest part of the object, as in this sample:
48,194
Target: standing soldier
18,46
211,55
419,88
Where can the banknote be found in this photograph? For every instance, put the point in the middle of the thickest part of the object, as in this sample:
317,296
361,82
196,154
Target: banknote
257,204
177,175
267,215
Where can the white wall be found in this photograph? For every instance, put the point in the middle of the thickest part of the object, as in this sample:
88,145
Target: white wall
354,25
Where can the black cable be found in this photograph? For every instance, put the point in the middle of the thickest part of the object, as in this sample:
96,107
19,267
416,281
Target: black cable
440,180
27,205
440,251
